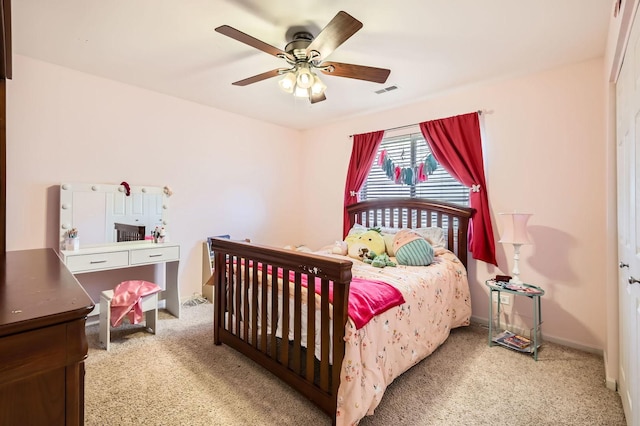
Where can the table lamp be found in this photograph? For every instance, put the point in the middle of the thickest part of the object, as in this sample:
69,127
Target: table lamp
515,232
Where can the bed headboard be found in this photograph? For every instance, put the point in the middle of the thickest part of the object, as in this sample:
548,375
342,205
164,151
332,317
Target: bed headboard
417,213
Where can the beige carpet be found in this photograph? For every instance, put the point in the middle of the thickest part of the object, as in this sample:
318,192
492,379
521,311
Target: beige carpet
178,377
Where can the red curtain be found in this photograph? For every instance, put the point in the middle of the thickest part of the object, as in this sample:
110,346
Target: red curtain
456,144
363,153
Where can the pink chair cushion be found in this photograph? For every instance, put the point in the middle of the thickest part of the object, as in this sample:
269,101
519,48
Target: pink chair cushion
127,300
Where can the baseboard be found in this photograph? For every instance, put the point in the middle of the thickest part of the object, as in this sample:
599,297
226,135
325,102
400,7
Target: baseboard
574,345
185,299
481,322
92,320
610,382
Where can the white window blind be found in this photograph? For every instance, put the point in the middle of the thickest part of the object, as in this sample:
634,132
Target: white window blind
409,151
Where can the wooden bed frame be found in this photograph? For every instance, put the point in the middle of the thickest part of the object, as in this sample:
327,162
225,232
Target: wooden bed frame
234,295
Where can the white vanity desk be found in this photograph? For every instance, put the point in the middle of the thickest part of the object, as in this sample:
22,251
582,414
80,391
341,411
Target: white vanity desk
92,210
127,255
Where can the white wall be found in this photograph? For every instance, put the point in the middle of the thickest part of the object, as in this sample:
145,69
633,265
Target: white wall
544,154
229,174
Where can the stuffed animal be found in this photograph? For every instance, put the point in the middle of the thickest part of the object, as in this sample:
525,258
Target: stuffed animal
340,247
354,247
301,248
412,249
358,245
379,261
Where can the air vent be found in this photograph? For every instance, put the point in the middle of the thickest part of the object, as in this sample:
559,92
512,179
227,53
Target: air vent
386,89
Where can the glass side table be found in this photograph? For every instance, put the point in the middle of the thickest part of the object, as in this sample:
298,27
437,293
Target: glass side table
498,336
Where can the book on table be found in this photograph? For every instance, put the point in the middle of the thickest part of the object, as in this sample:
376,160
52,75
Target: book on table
513,340
518,341
523,288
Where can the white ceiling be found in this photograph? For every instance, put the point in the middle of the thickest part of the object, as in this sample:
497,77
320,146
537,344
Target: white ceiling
430,46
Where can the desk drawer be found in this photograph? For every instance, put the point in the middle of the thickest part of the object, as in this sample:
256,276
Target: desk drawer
97,261
155,255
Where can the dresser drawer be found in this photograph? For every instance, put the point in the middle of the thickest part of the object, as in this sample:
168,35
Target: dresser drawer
155,255
97,261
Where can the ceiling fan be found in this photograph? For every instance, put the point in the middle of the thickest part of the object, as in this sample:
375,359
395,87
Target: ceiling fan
305,54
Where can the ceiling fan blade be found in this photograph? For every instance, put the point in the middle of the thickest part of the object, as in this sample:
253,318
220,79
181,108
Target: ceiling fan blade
341,27
249,40
257,78
317,98
360,72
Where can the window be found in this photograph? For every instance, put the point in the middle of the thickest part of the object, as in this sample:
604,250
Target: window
408,152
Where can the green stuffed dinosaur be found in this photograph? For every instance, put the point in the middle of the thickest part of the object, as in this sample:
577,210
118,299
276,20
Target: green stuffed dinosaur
378,260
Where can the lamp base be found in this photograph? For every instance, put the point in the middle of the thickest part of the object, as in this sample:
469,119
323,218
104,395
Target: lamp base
516,271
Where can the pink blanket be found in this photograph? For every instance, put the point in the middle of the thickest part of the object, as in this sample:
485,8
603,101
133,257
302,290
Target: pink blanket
127,300
367,298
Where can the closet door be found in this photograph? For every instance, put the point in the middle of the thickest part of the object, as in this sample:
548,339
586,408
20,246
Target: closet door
628,183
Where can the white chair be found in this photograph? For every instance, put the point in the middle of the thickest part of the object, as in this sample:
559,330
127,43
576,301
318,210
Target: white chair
149,307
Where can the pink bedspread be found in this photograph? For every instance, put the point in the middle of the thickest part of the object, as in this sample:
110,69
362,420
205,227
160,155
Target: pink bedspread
367,298
127,300
437,299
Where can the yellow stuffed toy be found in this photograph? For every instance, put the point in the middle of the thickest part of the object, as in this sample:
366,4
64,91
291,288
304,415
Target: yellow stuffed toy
365,243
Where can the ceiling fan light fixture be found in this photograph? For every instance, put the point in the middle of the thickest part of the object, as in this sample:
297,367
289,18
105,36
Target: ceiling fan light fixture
304,77
306,53
301,92
288,82
318,86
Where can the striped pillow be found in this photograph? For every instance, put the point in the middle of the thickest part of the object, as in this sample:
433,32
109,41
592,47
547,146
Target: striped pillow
412,249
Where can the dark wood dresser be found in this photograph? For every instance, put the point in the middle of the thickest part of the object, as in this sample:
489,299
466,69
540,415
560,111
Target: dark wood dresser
43,343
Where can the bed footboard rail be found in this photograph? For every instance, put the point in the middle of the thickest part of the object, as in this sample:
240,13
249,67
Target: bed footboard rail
279,308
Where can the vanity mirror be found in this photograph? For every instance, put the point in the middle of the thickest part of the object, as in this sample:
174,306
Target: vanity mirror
95,209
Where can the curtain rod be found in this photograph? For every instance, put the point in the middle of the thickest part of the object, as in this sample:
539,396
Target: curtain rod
411,125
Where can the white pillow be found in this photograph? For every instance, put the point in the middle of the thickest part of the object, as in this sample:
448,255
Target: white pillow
433,234
357,229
